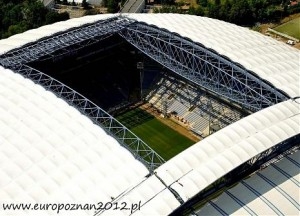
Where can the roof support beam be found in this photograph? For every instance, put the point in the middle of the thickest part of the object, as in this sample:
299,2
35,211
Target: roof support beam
237,174
203,67
67,43
64,43
140,150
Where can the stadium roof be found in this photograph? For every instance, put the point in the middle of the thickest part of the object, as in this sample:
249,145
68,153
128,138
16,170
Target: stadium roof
50,152
202,164
273,61
272,191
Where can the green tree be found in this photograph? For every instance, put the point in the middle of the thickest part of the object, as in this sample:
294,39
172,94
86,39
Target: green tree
52,17
18,16
203,3
274,13
167,9
258,8
85,4
91,12
224,10
34,13
112,6
16,29
168,2
241,13
11,15
214,10
198,11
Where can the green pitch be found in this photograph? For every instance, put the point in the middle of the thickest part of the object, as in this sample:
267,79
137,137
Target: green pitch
291,28
161,138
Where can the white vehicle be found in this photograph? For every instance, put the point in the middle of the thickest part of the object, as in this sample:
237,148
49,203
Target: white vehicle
290,42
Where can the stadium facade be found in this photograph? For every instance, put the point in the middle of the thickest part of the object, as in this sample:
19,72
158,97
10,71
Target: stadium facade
57,146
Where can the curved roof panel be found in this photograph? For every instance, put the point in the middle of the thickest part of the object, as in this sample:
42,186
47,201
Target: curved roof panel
49,151
271,191
153,199
250,49
197,167
264,56
33,35
203,163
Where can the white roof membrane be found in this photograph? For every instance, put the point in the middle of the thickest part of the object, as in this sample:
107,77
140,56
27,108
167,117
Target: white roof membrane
271,192
271,60
256,52
203,163
50,152
33,35
154,198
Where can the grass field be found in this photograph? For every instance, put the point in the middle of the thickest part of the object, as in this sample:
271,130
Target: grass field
291,28
161,138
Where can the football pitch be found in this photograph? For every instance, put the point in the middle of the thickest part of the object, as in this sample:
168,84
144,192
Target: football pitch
160,137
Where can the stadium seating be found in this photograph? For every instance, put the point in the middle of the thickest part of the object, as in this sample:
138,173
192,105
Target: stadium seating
190,106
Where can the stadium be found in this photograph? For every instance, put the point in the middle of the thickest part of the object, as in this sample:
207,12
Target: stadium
72,95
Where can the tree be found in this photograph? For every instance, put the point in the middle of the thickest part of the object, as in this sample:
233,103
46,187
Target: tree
168,2
224,10
198,11
34,13
17,16
112,6
85,4
203,3
53,17
16,29
214,10
167,9
217,2
273,13
241,13
91,12
11,15
258,8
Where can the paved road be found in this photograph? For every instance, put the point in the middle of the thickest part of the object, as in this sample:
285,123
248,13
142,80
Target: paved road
132,6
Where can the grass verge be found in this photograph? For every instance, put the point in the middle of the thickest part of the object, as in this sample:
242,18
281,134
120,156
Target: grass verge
291,28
